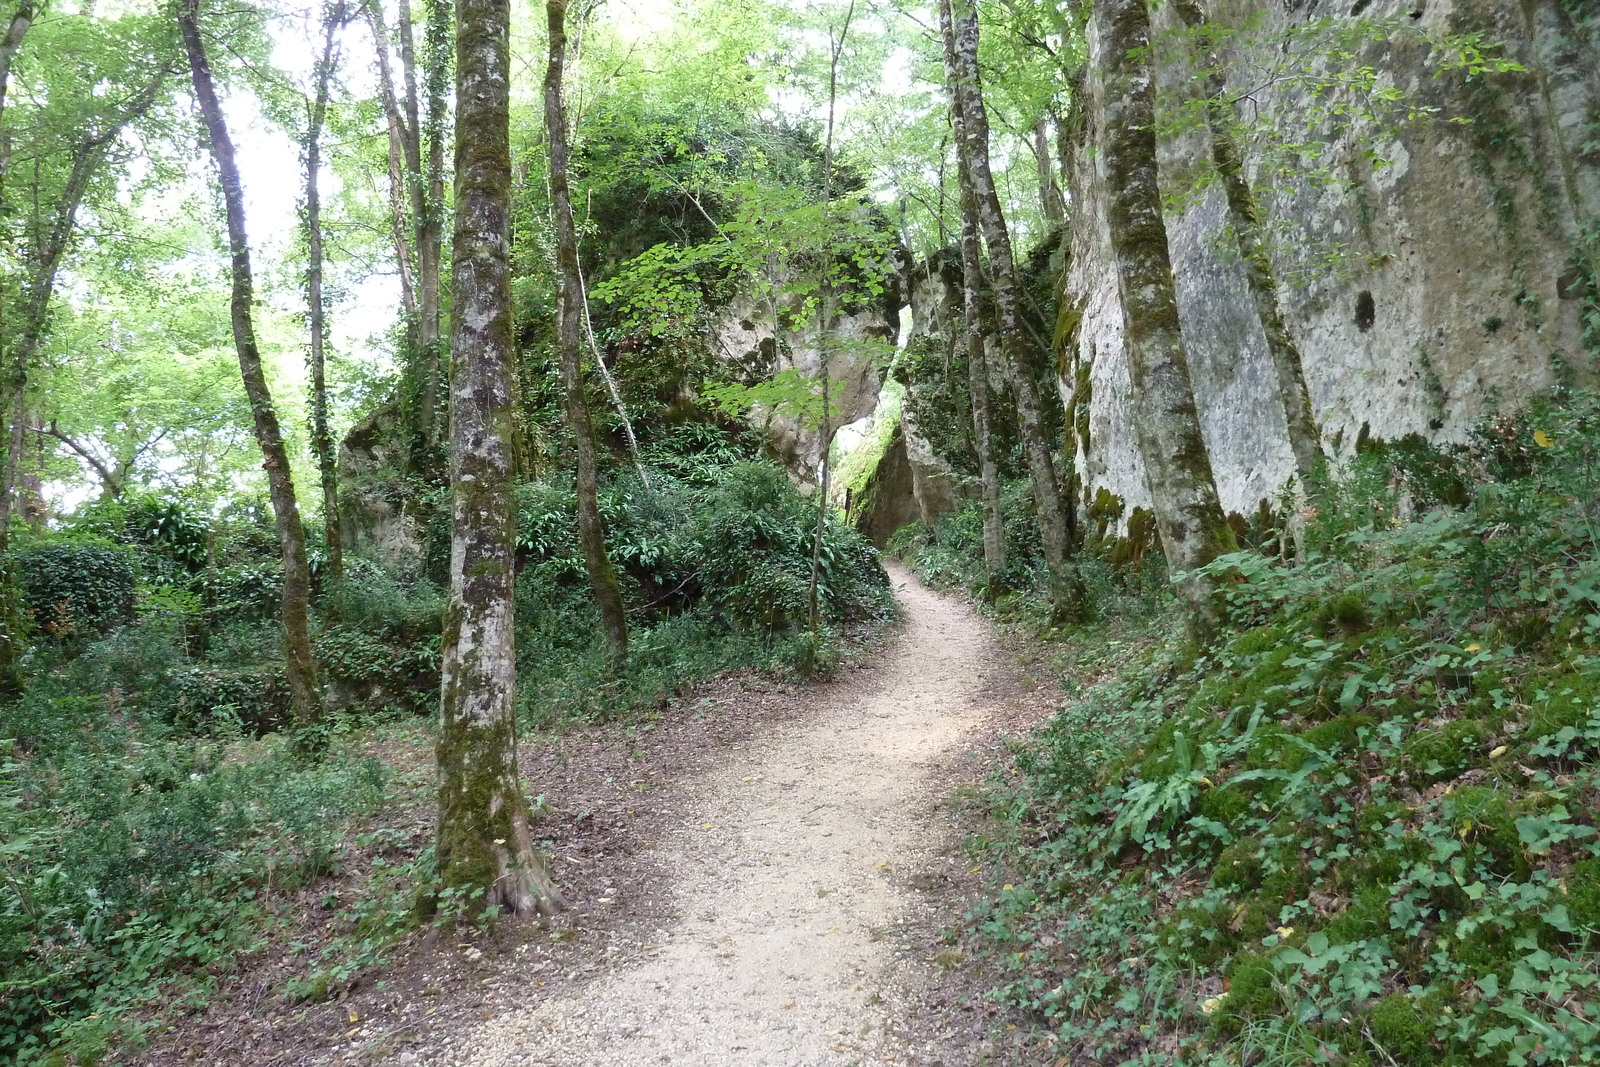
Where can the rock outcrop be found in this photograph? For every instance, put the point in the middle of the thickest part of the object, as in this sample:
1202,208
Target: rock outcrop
1427,273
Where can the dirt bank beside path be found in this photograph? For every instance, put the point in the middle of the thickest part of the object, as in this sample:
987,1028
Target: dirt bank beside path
788,865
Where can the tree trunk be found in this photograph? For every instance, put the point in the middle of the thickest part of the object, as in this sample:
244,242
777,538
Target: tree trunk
430,224
972,142
302,671
1051,202
399,196
994,537
1305,440
485,836
824,323
569,324
316,309
1166,424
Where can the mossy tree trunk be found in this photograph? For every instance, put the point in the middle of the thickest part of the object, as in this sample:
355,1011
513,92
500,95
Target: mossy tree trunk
994,539
1244,212
296,605
959,28
316,307
1166,424
485,838
430,224
569,324
416,192
994,536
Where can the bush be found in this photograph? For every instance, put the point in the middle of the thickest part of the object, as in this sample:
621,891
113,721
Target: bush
76,590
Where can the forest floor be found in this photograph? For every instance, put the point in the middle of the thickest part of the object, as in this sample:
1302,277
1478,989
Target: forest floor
763,876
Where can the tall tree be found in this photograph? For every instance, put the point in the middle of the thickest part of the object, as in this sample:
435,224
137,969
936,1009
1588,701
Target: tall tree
994,535
316,306
960,33
301,667
569,324
1166,424
485,838
825,323
416,177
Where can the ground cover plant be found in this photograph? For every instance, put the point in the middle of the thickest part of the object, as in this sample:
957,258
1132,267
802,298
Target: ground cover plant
158,820
1359,828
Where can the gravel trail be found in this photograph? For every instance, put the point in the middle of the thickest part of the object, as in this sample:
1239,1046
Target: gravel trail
784,863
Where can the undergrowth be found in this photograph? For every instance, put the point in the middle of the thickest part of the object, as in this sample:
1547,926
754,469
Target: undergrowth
1360,827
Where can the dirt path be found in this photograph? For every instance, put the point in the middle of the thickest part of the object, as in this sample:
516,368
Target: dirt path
786,866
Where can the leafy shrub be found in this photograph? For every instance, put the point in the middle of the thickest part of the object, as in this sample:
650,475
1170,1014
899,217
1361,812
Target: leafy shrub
73,589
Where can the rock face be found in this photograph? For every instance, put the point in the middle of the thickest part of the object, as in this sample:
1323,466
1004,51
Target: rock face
375,526
746,338
889,499
1423,291
934,292
763,341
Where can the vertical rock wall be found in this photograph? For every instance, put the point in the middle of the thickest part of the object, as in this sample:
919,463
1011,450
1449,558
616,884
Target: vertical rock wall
1423,291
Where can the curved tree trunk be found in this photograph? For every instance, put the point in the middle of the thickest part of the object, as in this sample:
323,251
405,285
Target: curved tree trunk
569,325
316,310
1167,426
302,669
972,143
485,837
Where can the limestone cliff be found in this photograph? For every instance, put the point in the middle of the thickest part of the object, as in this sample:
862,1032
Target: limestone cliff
1426,272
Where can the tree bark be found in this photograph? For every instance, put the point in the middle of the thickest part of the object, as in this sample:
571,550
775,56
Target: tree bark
1305,440
1051,202
399,139
824,322
485,838
972,142
430,223
994,537
1177,467
569,325
301,667
316,308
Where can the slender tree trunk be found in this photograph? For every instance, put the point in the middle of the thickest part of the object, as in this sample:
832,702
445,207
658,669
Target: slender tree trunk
1305,440
1166,424
824,323
972,141
1051,202
994,537
612,388
399,194
994,540
302,671
430,224
316,308
569,325
10,44
485,835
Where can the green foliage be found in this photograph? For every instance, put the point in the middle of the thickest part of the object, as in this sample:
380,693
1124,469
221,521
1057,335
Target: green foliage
129,862
76,590
1367,812
715,574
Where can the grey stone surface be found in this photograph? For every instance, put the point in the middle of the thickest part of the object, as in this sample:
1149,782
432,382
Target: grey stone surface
1423,293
